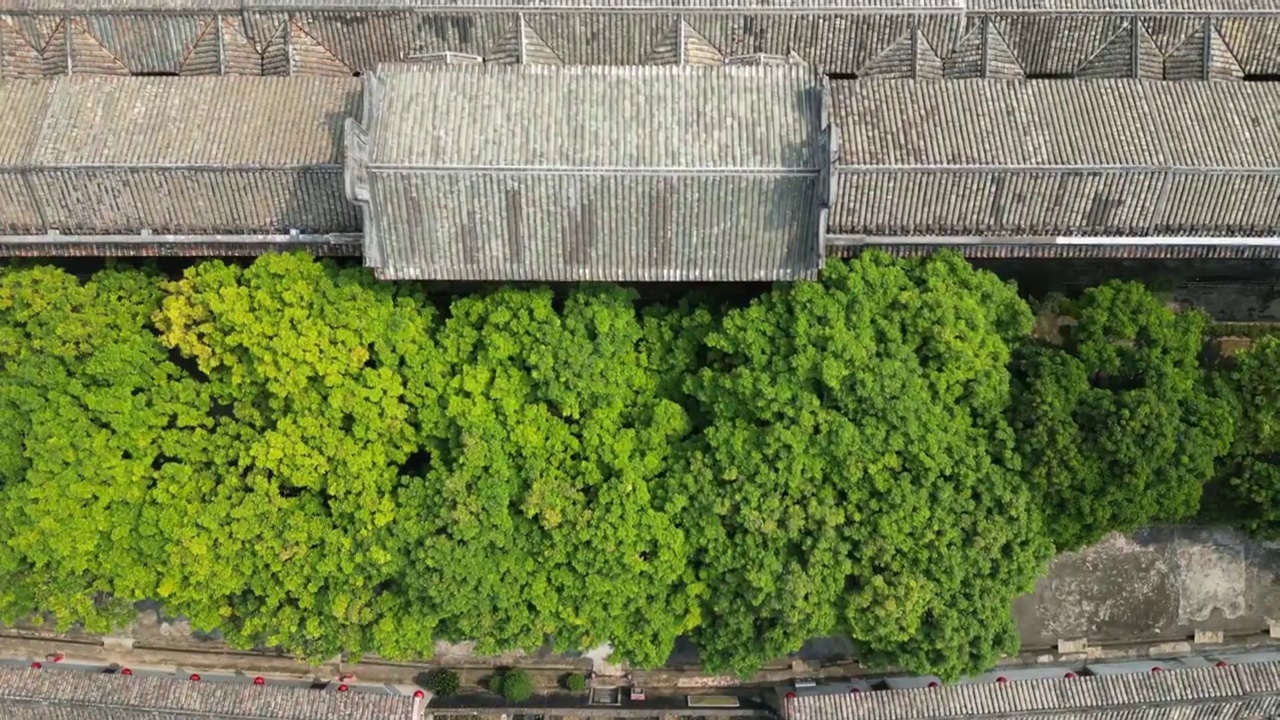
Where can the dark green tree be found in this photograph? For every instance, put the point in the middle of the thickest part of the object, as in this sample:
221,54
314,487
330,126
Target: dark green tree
1116,424
538,516
856,473
1247,492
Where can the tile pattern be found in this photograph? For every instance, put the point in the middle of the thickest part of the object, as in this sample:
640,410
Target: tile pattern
112,155
1223,40
1237,691
51,695
588,173
1107,157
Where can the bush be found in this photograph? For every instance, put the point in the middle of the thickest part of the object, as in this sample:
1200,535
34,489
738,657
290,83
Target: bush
574,682
495,682
517,686
442,683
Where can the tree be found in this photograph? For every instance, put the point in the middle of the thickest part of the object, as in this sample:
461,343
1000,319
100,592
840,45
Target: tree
442,683
575,682
278,509
1247,492
89,404
856,473
1116,425
517,686
538,516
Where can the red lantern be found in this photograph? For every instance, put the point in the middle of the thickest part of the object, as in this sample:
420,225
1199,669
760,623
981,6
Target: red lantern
1070,676
854,691
342,688
36,666
195,677
933,684
419,694
1156,669
1222,663
259,681
1002,679
791,696
126,671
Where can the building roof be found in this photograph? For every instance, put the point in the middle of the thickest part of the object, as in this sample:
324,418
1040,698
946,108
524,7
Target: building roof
1212,693
593,118
780,6
1143,7
68,695
195,121
1101,124
24,104
548,173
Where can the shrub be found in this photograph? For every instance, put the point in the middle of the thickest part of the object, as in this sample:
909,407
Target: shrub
495,682
574,682
443,683
517,686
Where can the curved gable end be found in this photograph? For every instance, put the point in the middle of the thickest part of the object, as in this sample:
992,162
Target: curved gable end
591,173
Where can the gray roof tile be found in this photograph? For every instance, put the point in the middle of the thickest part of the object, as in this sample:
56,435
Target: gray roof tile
1190,694
1143,7
597,118
68,695
196,121
642,173
651,5
1116,123
1105,157
24,104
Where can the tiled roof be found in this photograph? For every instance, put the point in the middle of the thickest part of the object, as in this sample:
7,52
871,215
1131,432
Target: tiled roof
1059,158
1103,123
690,5
1143,7
23,104
219,155
68,695
650,173
196,121
1237,691
595,117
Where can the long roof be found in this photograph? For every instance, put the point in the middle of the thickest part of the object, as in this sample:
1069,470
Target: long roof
194,121
1105,123
69,695
546,173
611,119
1212,693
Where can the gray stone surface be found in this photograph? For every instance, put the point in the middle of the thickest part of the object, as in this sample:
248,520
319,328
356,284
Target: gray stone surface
1160,584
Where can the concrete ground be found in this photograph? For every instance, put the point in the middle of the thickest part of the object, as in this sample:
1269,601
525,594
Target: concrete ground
1155,585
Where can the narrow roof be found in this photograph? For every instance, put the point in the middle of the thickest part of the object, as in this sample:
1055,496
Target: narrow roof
77,6
1209,692
70,695
239,121
678,118
772,6
24,105
1101,123
1145,7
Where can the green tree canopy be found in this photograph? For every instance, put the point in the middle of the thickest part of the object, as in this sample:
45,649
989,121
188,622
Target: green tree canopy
1116,424
278,509
1247,493
857,474
538,516
88,404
